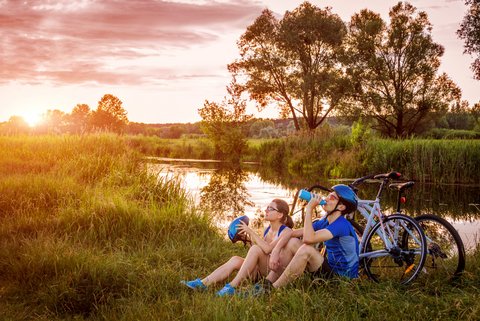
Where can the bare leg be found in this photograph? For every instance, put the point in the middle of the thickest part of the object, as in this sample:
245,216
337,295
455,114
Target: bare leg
286,255
224,271
256,260
306,256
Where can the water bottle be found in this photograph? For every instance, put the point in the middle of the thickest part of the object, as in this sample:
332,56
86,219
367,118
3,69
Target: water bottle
307,196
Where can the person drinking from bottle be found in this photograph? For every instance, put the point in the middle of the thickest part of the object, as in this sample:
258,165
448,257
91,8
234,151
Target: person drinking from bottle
338,235
255,264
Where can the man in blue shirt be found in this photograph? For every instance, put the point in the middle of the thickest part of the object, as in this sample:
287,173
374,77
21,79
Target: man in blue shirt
334,230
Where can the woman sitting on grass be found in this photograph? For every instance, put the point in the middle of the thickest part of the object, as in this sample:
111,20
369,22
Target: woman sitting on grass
255,264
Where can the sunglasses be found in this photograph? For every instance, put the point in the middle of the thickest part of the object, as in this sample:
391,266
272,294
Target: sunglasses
270,208
331,197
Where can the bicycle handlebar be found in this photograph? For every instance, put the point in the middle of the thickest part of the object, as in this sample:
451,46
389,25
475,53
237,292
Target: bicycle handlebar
360,180
391,175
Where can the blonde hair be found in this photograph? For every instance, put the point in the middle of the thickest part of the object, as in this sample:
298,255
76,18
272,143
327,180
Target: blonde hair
283,208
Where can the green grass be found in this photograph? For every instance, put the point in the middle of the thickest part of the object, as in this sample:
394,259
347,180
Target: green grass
332,153
442,161
194,148
87,233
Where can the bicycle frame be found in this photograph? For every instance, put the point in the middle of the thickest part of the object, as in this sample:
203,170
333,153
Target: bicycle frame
390,245
371,211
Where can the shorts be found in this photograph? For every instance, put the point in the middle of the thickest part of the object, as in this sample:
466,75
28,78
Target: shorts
325,271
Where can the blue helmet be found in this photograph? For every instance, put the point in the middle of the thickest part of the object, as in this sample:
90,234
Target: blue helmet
233,233
347,196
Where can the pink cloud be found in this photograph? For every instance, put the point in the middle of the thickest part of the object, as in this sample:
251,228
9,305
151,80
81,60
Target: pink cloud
73,41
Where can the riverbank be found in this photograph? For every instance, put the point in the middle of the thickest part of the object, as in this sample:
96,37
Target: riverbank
88,234
339,153
336,152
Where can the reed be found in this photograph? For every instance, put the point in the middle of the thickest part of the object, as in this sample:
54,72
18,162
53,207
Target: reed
426,160
193,148
332,153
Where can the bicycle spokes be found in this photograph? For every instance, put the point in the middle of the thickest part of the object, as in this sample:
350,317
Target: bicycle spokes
397,252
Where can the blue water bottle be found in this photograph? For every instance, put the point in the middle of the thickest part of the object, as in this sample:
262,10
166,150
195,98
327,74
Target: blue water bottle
307,196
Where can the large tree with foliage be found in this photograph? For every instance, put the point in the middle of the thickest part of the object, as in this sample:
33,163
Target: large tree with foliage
110,115
470,32
293,62
225,124
393,69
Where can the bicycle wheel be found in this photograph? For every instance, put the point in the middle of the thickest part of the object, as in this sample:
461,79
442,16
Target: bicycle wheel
394,250
446,253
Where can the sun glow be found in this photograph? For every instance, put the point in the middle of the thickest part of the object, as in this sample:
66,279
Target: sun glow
32,119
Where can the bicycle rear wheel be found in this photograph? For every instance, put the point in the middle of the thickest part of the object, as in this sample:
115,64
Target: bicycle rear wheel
394,251
446,253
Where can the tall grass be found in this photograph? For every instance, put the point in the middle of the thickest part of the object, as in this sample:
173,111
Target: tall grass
333,153
87,227
87,233
323,153
426,160
195,148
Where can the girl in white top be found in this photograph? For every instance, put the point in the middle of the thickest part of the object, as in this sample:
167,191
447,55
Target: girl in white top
255,264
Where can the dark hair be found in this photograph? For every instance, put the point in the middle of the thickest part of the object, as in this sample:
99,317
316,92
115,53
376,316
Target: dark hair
283,208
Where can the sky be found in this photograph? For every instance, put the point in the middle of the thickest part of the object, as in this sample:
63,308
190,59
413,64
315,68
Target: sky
162,59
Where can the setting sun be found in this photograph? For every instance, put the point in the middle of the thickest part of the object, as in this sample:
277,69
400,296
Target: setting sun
32,119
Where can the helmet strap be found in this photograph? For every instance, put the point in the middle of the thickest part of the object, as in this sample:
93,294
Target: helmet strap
334,210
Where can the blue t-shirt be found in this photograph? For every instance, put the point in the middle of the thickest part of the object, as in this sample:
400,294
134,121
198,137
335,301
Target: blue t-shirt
342,249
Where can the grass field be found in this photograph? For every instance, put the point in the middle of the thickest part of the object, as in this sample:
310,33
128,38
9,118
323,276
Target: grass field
87,233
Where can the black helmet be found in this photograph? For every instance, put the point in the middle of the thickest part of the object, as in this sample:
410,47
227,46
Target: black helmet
347,196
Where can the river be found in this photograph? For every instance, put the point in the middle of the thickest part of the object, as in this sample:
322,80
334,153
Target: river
232,191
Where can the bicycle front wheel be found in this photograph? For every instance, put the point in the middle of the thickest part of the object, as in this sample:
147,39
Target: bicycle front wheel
446,253
394,250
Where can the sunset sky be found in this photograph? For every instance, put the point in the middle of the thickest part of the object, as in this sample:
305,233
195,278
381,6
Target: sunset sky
161,58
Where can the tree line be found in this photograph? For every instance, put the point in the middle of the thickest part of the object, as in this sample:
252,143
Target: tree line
109,116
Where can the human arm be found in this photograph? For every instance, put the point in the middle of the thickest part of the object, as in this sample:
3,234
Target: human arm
258,240
310,236
285,236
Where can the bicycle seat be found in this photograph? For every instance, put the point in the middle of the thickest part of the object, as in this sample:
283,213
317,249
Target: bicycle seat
401,186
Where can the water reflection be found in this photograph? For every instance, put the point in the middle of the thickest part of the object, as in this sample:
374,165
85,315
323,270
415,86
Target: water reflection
226,192
455,202
459,202
232,191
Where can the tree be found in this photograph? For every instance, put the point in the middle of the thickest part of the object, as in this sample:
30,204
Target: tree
15,125
225,124
110,115
54,122
79,118
475,111
393,70
460,117
293,63
470,32
226,192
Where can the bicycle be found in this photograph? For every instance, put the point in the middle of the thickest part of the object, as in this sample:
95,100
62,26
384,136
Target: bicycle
391,247
446,252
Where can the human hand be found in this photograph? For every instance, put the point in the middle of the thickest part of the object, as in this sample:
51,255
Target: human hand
314,201
244,228
274,262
